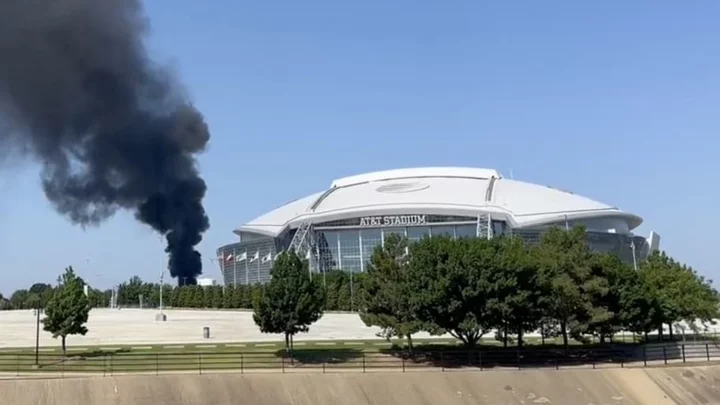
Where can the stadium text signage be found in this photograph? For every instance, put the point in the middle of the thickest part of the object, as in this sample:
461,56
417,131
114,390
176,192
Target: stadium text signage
392,220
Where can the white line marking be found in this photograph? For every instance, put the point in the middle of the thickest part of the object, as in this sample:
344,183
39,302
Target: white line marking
205,346
141,348
174,347
325,344
236,345
110,348
354,343
382,344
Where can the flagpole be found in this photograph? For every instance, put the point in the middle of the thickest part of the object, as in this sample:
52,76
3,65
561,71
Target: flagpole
257,255
247,278
234,269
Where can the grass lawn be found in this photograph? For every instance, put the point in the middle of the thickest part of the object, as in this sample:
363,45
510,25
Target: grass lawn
231,356
210,347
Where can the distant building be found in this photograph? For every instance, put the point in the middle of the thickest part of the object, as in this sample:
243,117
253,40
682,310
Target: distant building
205,282
338,228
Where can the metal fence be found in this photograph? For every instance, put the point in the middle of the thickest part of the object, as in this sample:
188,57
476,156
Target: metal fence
108,364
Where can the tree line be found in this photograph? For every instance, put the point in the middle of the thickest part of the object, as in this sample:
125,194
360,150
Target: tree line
136,293
467,287
39,294
471,287
340,290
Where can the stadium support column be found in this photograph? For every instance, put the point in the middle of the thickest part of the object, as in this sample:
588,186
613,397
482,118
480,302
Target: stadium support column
484,226
320,264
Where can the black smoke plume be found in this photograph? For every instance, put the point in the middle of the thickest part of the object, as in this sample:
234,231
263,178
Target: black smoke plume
111,129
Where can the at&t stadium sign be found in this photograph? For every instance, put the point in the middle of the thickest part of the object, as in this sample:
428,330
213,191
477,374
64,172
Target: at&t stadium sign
392,220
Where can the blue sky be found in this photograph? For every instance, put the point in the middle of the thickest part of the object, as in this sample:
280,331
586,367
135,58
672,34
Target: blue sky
618,101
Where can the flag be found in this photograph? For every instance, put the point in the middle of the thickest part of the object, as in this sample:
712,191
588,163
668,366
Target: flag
255,257
241,257
229,257
309,254
266,258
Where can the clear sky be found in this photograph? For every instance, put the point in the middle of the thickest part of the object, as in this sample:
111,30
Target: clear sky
618,101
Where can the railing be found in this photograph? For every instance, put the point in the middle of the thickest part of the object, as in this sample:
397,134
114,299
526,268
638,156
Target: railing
108,364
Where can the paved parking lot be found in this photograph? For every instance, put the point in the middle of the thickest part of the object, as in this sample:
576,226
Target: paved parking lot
138,326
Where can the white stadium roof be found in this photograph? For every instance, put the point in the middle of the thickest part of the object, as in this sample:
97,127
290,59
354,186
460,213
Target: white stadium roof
441,191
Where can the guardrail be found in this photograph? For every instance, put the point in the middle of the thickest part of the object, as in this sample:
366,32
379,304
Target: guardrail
108,364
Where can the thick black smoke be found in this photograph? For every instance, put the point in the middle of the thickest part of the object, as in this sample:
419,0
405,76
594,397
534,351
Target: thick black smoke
112,130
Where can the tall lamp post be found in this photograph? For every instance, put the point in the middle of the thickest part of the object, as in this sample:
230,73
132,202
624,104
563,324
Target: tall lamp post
632,247
37,334
161,317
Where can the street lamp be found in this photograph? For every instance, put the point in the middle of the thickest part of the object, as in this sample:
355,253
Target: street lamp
161,317
37,333
632,246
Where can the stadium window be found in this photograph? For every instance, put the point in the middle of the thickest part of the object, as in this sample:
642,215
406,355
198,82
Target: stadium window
415,233
370,239
466,231
447,230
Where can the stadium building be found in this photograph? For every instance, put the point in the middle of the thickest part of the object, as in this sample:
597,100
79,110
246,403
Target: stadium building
338,228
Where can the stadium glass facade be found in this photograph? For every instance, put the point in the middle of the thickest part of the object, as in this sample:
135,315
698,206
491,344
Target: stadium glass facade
348,244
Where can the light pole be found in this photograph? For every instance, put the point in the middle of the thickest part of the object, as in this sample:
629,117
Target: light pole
161,292
37,334
161,317
632,246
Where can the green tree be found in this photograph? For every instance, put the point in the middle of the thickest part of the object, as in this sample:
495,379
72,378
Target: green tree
240,295
216,298
291,301
198,296
98,299
569,285
129,292
514,290
19,299
450,281
67,311
42,292
386,293
4,303
681,293
640,309
336,295
185,297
